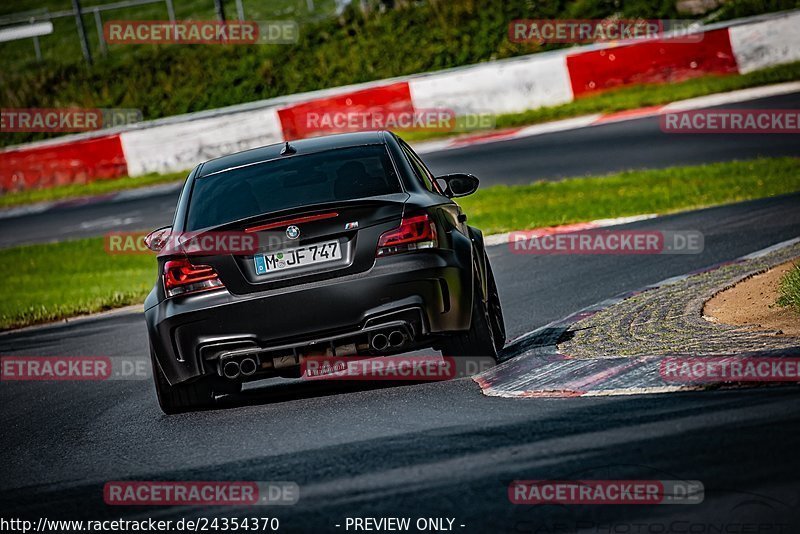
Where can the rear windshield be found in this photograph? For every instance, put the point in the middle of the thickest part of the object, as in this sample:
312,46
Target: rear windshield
290,182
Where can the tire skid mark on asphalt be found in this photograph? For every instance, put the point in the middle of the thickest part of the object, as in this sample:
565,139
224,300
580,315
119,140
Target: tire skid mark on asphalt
532,366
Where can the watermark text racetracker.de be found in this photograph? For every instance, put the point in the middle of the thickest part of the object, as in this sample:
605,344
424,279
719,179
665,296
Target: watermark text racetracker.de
201,493
191,243
244,32
357,120
622,492
414,368
713,369
73,368
733,121
550,31
622,242
65,119
348,119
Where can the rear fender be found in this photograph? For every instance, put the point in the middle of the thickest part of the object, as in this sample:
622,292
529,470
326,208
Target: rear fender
479,259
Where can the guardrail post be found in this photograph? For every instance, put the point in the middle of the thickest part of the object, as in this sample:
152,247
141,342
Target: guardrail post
219,7
98,21
87,53
170,10
37,48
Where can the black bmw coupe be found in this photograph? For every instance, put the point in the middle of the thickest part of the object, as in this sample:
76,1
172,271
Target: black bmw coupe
357,250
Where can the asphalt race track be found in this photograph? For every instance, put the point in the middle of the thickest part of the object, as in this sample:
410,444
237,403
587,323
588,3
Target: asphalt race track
425,450
614,147
634,144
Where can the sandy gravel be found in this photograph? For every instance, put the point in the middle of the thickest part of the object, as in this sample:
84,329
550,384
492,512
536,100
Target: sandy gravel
751,303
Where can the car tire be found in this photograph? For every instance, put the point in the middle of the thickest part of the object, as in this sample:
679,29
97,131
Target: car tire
497,322
479,340
181,397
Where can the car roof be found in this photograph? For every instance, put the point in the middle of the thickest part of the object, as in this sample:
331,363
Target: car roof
302,146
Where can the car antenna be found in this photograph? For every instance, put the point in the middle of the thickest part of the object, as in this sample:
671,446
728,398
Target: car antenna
288,149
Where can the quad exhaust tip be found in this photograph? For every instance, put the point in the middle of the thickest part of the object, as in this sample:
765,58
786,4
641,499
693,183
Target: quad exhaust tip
397,338
231,369
248,366
379,342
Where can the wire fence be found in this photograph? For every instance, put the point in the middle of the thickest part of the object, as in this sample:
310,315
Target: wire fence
33,24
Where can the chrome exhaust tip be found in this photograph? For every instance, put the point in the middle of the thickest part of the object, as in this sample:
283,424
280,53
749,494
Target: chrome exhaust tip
397,338
248,366
230,369
379,342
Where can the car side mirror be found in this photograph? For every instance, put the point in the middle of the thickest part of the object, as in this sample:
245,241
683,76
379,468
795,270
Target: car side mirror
458,184
157,239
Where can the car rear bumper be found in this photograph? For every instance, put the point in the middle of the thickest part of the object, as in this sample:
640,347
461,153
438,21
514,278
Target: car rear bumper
189,334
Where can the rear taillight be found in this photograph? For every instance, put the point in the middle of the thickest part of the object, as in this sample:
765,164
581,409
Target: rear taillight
415,232
181,276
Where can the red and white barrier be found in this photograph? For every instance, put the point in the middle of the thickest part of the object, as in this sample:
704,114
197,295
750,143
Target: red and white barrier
500,87
513,85
63,163
658,61
177,146
304,119
766,43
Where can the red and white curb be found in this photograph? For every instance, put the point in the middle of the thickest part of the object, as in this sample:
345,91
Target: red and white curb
536,369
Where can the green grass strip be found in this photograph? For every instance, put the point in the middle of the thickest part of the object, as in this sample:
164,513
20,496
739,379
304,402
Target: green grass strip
503,208
44,283
789,289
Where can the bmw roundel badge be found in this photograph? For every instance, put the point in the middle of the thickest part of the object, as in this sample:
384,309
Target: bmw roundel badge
292,232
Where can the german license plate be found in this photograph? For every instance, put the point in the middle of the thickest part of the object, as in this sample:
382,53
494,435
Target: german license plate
292,258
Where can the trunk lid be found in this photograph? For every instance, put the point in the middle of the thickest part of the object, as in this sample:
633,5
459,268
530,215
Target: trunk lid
327,241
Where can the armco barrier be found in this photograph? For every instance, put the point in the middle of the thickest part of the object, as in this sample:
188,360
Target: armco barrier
298,120
177,146
63,163
500,87
766,43
659,61
511,85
